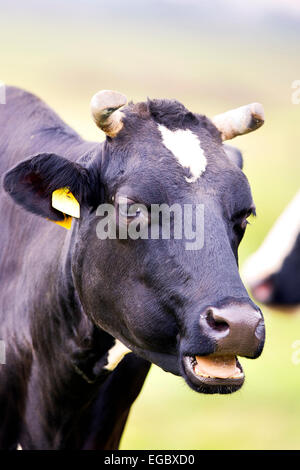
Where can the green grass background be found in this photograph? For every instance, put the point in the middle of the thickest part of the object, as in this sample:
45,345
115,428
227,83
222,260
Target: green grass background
64,52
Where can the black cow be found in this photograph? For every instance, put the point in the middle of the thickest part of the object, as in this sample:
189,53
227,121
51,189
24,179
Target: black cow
273,271
72,303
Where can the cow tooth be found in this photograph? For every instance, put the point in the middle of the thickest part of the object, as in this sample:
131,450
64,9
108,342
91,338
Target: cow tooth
237,375
201,374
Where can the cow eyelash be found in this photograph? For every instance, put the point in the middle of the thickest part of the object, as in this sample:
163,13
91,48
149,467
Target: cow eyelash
243,215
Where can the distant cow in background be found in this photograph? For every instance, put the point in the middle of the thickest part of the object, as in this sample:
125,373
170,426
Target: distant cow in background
273,271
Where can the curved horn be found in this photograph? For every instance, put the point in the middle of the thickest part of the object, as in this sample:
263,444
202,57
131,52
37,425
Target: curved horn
104,106
239,121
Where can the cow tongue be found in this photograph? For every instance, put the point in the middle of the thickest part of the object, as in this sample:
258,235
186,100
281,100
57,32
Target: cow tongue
221,367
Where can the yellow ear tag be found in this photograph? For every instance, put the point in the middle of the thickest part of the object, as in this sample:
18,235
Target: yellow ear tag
64,201
66,223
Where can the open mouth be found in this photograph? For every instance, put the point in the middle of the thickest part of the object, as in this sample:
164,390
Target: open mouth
213,374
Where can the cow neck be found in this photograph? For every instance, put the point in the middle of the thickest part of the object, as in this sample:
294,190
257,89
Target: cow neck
60,328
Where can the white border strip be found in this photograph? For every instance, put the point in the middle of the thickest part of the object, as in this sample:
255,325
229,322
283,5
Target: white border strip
2,352
2,93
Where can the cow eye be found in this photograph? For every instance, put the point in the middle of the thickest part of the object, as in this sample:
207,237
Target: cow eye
242,222
129,210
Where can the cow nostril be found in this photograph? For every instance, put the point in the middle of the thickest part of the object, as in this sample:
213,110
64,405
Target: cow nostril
236,328
215,324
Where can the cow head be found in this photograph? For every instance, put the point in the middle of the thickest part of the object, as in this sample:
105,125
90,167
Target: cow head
273,271
177,300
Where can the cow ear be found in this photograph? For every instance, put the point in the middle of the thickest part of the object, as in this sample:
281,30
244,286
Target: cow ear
48,185
234,155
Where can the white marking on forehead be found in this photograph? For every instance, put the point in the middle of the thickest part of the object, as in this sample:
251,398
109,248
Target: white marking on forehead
277,245
186,148
116,354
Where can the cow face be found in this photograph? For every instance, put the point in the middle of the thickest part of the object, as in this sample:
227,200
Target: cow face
177,302
273,272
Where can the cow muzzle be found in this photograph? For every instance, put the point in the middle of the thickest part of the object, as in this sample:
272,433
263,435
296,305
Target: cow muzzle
236,329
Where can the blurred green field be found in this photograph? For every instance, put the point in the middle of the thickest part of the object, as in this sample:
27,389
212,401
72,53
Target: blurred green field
66,58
